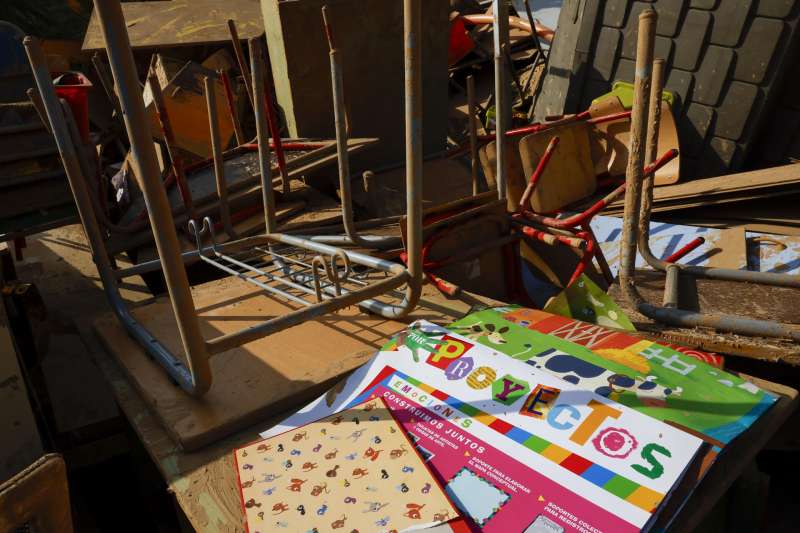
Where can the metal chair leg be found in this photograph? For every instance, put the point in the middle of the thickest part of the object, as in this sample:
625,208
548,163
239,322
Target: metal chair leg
636,207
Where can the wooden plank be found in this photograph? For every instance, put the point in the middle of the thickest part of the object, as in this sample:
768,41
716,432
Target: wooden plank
166,24
21,443
37,497
714,296
260,378
733,187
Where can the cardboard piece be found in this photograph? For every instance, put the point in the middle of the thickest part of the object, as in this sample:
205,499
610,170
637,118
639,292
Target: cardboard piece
184,97
585,301
356,470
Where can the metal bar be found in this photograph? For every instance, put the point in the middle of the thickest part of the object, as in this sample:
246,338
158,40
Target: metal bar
638,136
537,173
169,139
671,287
502,104
38,105
231,102
549,238
174,367
239,53
728,274
107,83
343,159
146,169
232,340
262,133
602,262
412,59
274,126
585,259
473,133
216,152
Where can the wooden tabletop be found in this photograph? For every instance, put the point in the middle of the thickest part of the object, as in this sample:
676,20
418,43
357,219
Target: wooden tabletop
204,481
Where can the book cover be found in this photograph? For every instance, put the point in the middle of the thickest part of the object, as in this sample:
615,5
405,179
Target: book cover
516,448
678,387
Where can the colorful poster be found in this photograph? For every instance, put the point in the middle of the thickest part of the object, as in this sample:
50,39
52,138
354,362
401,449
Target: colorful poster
352,471
667,383
515,448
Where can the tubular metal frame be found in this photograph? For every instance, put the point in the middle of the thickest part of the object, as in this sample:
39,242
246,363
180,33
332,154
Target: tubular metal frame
638,202
344,286
351,237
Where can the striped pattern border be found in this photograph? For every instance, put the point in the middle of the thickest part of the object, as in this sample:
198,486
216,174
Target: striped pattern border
620,486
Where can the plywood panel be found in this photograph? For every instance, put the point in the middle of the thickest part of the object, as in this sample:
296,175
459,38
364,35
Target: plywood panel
263,377
181,23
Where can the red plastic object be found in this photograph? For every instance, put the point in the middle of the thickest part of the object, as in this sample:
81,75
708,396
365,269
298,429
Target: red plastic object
74,87
685,250
460,42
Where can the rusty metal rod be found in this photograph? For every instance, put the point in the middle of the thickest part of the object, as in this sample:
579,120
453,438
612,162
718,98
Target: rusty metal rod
145,165
352,236
274,123
176,369
231,102
683,250
412,59
638,139
671,283
239,53
107,83
766,278
216,152
169,139
473,133
262,134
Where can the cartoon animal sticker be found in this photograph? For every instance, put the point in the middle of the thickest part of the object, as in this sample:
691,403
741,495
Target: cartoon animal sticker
399,452
296,485
372,454
374,507
319,489
414,511
441,516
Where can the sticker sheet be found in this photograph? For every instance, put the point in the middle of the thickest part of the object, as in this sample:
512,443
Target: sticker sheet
353,471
